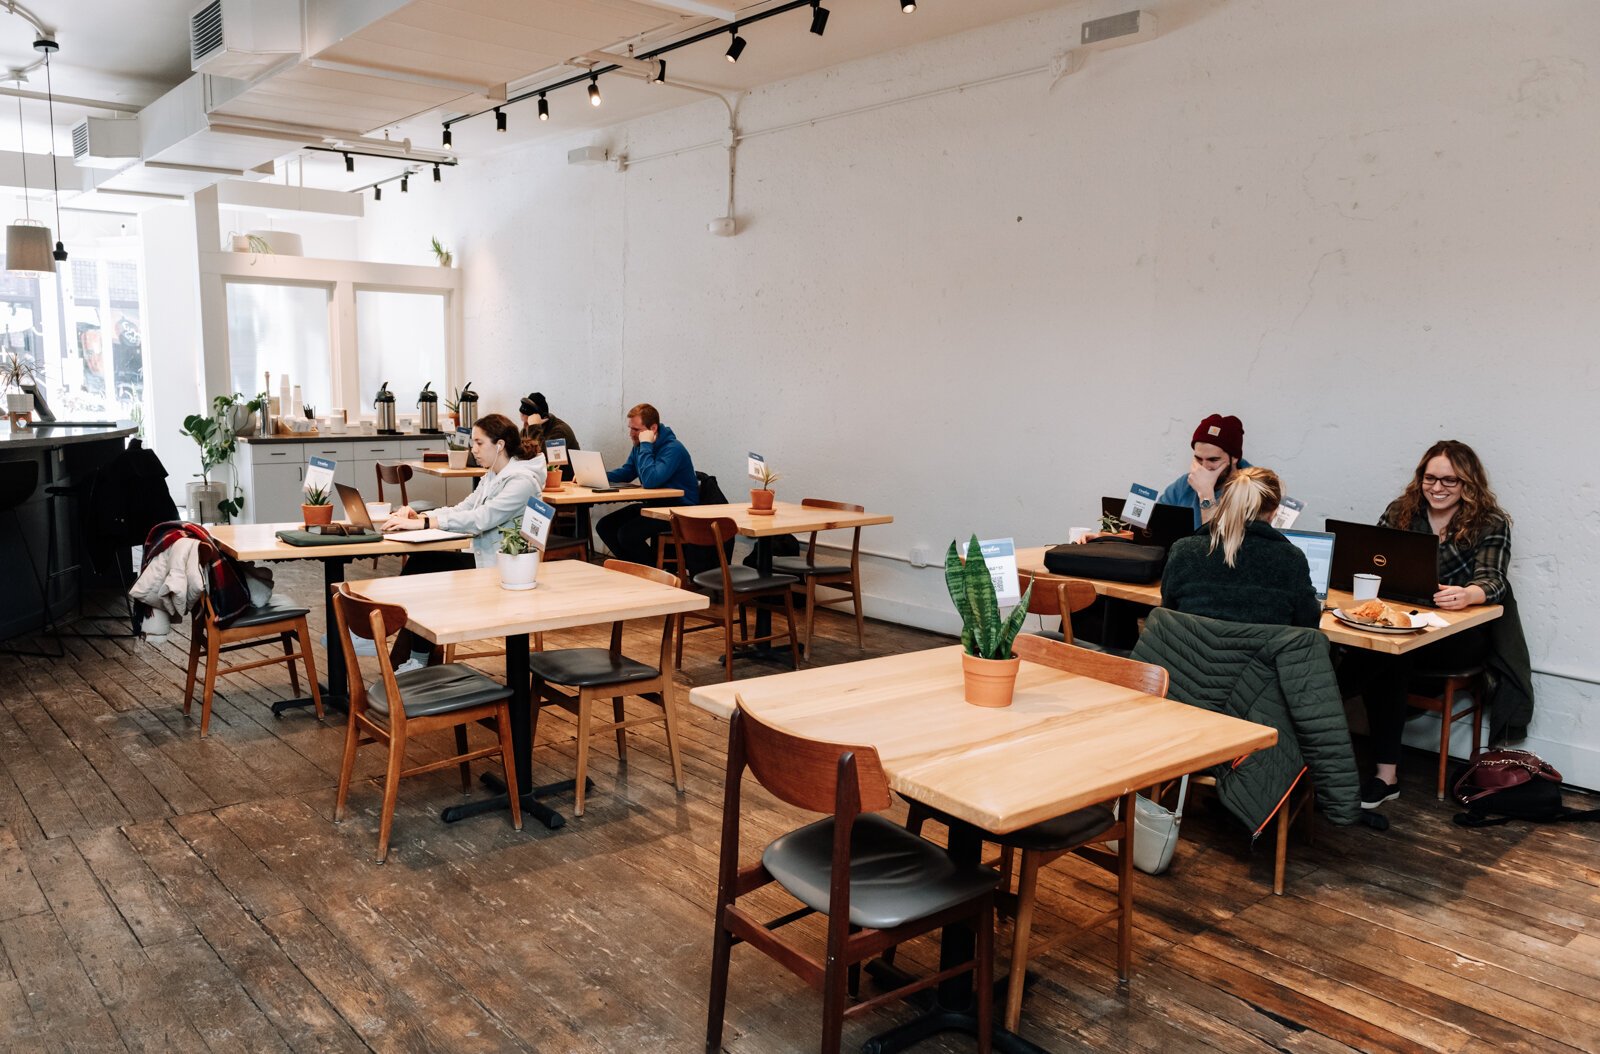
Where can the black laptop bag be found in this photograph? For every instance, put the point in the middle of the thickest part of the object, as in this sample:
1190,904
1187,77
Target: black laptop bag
1112,559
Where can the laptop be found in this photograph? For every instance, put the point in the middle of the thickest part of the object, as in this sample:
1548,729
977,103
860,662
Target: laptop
355,510
1408,561
1168,523
1318,547
589,470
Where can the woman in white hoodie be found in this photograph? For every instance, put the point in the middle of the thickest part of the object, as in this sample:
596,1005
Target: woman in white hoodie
516,473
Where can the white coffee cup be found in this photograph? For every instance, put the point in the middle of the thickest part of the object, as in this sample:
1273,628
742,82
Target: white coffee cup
1078,534
378,510
1365,587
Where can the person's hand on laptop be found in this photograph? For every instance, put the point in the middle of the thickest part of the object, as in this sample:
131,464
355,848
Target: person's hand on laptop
404,518
1454,598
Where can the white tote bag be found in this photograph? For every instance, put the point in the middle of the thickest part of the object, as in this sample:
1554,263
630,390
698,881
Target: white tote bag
1155,831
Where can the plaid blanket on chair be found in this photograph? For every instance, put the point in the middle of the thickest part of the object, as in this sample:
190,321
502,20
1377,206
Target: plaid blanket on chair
225,577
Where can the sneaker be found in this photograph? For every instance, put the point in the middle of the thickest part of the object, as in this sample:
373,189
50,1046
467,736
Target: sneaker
408,666
1374,792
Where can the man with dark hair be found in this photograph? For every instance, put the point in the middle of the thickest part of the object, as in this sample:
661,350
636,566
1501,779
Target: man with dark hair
1218,446
540,425
658,459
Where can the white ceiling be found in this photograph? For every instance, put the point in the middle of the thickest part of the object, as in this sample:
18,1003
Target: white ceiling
130,53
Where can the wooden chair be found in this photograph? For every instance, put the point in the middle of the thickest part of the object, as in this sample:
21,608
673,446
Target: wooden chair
432,698
398,475
599,674
877,883
1083,831
1297,805
1059,598
278,619
731,588
845,577
1469,679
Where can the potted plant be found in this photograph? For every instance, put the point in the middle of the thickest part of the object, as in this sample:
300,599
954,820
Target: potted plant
456,450
452,409
208,501
1111,525
317,507
441,254
15,371
988,669
761,497
552,477
518,560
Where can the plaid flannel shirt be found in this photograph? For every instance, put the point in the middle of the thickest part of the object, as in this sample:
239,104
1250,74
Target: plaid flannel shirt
1482,564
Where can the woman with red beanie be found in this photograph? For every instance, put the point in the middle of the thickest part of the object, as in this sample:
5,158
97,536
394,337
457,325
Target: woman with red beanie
1218,445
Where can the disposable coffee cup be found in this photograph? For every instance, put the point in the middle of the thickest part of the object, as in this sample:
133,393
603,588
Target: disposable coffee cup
378,510
1078,534
1365,587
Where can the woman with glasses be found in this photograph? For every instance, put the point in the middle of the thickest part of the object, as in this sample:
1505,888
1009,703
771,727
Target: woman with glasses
1448,496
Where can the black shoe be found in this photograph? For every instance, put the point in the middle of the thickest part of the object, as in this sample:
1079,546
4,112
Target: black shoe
1374,792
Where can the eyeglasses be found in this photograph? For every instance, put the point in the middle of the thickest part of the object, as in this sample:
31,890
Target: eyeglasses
1447,482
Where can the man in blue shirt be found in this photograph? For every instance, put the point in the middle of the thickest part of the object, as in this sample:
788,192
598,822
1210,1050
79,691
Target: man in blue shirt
1218,445
657,460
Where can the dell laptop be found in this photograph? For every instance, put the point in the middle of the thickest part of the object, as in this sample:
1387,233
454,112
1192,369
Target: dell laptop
1318,548
1407,561
1168,523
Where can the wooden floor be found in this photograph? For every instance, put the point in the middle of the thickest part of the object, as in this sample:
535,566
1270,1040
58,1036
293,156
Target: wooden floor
162,893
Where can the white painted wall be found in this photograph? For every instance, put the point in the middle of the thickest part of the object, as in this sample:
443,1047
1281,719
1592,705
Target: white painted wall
173,388
1361,226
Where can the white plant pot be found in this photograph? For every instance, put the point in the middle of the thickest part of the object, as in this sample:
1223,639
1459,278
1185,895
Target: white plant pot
156,624
457,458
19,402
520,571
204,500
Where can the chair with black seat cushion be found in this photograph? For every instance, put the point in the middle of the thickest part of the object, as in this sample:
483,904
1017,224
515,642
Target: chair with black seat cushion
731,587
1059,598
844,576
396,707
279,620
1083,831
599,674
878,884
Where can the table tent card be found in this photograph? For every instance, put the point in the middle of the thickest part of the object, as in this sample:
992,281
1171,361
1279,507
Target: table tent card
536,520
1140,504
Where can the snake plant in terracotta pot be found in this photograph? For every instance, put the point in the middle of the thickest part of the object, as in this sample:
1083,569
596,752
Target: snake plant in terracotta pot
988,669
317,507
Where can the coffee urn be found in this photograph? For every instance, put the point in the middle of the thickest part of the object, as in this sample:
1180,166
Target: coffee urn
384,405
467,405
428,403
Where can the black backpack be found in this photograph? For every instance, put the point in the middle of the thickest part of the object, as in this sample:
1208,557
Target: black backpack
1504,785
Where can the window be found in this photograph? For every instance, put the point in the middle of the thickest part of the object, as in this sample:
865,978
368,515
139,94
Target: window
402,341
282,329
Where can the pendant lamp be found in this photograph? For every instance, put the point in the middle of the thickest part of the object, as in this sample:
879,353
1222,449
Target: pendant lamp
27,239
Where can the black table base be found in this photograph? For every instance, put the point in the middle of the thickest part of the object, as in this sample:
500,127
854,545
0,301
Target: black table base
500,801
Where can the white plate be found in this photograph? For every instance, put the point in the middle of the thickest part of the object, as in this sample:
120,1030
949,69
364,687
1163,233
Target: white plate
1370,628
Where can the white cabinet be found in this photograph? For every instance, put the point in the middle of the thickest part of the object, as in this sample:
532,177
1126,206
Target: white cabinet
273,493
271,472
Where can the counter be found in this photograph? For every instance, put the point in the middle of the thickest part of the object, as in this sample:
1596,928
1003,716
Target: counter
47,436
338,437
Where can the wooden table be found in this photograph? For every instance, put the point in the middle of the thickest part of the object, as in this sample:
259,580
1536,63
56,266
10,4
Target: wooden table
1065,743
452,607
259,541
787,518
443,470
1031,561
581,499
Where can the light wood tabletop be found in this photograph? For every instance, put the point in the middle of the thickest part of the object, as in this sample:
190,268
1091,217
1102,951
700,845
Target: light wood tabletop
1066,742
451,607
575,494
443,470
259,541
788,517
1031,561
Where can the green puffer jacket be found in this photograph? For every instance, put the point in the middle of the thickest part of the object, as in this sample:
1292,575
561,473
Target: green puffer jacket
1278,676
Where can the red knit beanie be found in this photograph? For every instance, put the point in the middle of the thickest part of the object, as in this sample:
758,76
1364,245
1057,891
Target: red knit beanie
1225,432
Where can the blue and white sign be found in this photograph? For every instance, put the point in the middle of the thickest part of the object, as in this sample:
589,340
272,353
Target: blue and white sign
1140,504
1000,554
758,466
319,476
555,452
536,520
1288,512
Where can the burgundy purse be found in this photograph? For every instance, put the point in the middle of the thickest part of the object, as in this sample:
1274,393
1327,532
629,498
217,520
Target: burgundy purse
1496,770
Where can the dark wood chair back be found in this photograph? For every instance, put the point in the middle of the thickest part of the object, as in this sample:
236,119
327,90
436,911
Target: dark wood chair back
836,506
807,773
1058,597
1140,676
396,475
668,622
693,535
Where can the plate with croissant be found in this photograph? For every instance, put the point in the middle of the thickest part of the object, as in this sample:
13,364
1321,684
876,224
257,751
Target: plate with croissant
1377,617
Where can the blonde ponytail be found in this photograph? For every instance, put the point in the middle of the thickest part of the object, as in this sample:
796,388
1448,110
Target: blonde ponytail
1251,494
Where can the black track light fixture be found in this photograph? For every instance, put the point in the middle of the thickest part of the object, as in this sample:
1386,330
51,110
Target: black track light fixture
377,193
544,107
499,119
736,48
446,137
436,177
819,18
405,183
594,91
349,163
661,72
908,6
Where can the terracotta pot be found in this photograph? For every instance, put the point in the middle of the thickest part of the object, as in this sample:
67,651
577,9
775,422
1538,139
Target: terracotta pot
761,499
315,514
989,682
552,479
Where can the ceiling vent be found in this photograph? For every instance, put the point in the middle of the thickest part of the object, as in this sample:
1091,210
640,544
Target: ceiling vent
104,142
243,39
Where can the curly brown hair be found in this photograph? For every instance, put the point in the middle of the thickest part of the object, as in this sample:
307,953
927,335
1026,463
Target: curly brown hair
1478,506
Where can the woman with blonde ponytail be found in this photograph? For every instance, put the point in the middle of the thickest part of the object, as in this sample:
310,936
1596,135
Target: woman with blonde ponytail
1240,569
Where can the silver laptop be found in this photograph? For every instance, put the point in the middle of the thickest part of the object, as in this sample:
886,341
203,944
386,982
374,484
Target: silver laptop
589,470
1318,548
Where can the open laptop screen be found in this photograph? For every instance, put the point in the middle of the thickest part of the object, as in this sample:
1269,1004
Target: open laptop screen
1318,548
